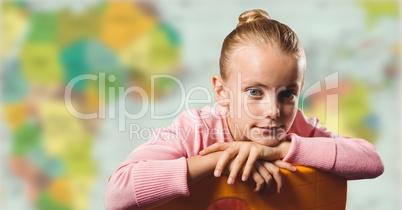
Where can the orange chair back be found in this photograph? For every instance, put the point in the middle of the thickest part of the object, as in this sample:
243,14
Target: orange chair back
305,189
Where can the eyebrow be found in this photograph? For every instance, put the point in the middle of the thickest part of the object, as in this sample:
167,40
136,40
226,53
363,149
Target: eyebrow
245,83
294,85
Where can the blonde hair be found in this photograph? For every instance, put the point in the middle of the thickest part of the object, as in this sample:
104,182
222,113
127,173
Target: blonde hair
256,28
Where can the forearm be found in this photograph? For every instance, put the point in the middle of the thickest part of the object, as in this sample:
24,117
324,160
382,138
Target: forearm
199,166
145,184
348,157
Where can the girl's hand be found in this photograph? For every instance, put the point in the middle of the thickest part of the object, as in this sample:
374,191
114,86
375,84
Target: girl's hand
259,174
271,170
262,173
246,153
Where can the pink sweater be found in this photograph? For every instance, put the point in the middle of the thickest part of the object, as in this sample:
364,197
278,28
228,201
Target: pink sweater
156,171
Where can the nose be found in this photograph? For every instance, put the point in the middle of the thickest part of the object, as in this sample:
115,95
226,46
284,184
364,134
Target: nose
271,109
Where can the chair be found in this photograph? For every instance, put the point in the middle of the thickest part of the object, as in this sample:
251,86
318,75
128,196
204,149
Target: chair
305,189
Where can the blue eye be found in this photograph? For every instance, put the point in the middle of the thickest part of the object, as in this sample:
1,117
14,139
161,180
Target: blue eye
254,92
286,94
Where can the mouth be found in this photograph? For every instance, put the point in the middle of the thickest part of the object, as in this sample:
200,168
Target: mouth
269,128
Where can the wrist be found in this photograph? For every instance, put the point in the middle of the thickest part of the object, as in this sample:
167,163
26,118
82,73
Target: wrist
284,147
200,166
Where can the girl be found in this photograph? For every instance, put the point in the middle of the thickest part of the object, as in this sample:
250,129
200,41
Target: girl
254,130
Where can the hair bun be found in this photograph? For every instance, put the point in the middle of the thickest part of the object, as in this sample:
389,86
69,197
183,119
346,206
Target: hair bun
252,15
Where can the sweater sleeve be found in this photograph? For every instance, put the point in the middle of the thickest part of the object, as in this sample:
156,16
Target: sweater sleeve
348,157
156,171
146,179
316,147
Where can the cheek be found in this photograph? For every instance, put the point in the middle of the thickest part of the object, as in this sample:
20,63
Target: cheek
289,112
236,101
254,109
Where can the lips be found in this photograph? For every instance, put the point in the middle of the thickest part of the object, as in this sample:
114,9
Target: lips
269,128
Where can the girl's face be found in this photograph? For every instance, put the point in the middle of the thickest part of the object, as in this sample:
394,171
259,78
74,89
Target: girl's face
261,92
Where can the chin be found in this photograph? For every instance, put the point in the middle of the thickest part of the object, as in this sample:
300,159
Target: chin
270,142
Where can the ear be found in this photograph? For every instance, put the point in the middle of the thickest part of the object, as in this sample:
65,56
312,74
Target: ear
221,95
